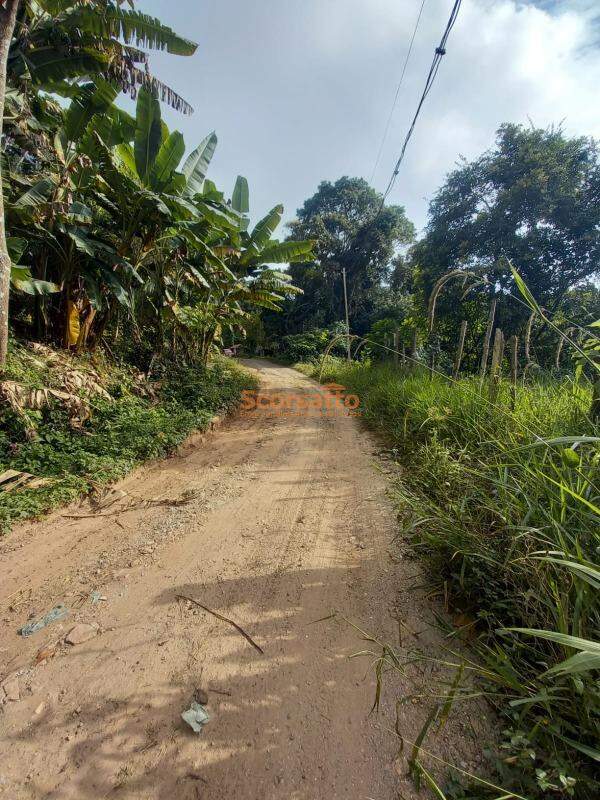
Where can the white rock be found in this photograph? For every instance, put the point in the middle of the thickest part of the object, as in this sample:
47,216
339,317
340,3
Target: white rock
81,633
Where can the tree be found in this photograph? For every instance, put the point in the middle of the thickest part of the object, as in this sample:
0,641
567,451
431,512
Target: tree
8,18
53,44
244,283
533,199
354,233
122,232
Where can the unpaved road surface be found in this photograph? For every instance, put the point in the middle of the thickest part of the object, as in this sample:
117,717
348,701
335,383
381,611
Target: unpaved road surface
288,522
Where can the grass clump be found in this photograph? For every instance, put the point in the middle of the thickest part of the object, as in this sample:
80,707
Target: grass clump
504,503
109,420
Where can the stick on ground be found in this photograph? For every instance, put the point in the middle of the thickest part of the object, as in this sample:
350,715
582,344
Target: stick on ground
224,619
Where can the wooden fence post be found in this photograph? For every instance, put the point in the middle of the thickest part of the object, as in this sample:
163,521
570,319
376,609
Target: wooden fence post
461,346
514,369
413,352
396,347
496,366
488,338
431,364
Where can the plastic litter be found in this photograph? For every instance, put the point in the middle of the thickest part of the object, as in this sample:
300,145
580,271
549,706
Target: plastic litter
196,717
96,597
56,613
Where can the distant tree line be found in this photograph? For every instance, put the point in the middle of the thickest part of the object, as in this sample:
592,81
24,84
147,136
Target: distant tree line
533,200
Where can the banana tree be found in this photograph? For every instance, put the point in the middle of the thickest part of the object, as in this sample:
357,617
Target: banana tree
97,38
51,44
64,236
164,206
245,281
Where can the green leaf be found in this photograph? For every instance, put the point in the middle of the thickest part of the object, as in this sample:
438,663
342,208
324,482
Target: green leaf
210,192
263,231
116,287
125,159
168,158
563,487
580,662
129,25
196,165
148,133
37,195
16,247
288,252
78,212
218,215
198,277
583,571
50,64
583,748
240,199
558,638
20,278
86,244
113,126
184,209
93,99
524,290
560,441
155,201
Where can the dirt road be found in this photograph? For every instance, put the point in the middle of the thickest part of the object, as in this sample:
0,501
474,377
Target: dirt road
287,523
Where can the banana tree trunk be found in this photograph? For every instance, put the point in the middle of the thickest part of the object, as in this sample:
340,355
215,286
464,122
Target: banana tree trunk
8,17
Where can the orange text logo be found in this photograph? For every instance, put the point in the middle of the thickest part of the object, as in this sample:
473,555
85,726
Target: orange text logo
330,401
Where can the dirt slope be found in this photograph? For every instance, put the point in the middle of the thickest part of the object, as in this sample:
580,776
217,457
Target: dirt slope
288,523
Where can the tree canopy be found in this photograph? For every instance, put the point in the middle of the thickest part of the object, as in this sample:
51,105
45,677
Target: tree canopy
352,232
534,199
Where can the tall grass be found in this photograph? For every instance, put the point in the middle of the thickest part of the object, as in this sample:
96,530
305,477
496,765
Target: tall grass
504,504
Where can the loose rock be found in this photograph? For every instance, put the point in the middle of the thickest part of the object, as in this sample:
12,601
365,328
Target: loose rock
81,633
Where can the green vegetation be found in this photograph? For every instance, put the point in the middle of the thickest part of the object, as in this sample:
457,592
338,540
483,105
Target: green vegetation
85,422
504,505
531,199
353,232
129,270
117,249
112,235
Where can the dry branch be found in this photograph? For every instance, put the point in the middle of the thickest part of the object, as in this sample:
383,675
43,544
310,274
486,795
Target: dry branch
224,619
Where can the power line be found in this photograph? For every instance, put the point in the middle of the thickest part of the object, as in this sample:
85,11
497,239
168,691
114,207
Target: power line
389,121
440,52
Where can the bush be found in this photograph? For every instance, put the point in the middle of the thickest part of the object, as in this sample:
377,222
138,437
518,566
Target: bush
310,346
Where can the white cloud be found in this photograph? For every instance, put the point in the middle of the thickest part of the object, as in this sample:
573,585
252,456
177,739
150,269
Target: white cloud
300,90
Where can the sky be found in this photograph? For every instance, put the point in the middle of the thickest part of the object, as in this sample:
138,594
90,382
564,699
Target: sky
299,91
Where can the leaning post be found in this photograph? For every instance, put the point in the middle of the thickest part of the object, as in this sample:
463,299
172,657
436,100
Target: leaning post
496,367
487,340
461,347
